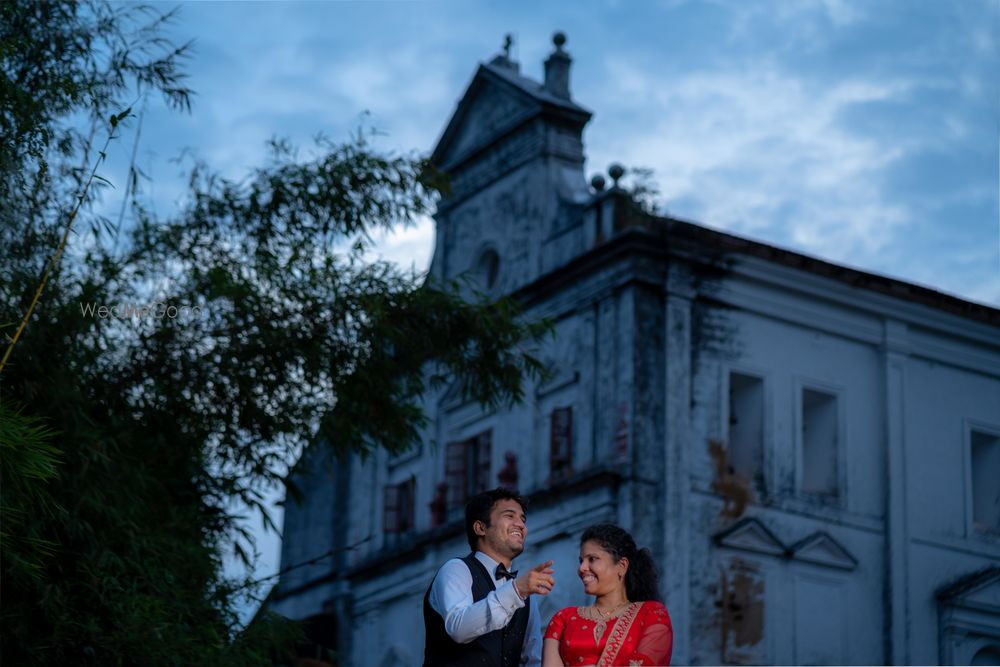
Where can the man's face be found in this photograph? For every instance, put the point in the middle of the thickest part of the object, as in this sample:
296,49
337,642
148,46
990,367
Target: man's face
506,532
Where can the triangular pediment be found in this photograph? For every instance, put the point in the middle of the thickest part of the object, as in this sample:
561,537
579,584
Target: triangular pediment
453,397
497,101
821,549
489,109
979,589
750,535
560,377
988,594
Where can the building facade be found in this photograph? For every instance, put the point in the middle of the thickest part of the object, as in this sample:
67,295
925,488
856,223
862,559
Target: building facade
811,452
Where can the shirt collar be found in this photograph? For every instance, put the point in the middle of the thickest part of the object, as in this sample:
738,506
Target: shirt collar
489,563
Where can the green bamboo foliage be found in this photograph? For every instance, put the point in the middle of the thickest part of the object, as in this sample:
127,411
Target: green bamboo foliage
125,438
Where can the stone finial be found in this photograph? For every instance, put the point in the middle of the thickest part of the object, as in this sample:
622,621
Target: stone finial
616,171
597,182
557,68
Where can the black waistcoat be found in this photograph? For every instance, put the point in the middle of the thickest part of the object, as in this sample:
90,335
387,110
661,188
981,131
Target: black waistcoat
500,648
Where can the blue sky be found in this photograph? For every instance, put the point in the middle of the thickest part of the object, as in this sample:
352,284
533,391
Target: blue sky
865,133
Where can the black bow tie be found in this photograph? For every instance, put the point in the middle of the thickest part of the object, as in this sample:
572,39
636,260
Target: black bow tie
502,573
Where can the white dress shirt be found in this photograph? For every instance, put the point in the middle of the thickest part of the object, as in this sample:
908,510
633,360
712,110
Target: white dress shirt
465,620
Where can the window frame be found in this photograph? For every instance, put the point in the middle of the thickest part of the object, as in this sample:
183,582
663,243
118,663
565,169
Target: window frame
801,385
399,509
985,428
560,467
764,487
476,468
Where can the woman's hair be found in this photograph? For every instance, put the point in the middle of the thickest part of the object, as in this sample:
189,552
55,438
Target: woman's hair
641,580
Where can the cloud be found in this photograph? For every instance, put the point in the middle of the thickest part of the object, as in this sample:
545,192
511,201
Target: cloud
408,247
760,152
826,127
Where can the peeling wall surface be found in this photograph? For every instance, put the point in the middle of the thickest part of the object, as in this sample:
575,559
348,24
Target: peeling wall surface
801,446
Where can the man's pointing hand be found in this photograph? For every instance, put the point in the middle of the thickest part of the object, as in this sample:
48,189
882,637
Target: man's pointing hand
538,580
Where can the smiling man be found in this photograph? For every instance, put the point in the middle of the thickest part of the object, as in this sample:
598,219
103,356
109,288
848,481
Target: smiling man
477,611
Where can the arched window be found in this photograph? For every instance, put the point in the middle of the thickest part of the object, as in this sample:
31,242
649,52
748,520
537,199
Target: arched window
988,655
488,268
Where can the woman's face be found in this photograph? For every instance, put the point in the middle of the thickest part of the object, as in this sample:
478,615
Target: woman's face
598,570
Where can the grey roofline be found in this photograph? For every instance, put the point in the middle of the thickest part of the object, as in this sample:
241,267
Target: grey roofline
667,234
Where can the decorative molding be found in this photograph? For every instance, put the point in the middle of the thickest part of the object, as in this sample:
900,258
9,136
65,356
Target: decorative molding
452,402
821,549
879,296
979,590
751,535
452,398
561,378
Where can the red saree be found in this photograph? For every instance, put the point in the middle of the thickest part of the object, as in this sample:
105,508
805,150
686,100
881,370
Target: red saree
641,635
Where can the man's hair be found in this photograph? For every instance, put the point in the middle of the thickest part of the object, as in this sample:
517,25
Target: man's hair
480,506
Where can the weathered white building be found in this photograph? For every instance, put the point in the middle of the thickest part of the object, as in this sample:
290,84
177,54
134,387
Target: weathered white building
811,452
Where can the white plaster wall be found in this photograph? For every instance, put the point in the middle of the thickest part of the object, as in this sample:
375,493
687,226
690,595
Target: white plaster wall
942,401
791,591
307,531
512,215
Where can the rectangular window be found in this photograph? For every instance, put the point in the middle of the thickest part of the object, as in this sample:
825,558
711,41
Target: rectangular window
398,507
561,442
467,467
746,427
820,444
985,459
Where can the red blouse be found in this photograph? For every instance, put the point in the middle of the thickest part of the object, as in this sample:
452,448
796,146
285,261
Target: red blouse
648,641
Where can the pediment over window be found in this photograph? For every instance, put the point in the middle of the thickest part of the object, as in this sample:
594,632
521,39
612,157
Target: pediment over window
453,396
978,590
750,535
560,377
969,612
821,549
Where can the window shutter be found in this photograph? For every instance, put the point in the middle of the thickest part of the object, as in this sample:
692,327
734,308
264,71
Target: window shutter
407,500
391,509
482,443
561,440
454,472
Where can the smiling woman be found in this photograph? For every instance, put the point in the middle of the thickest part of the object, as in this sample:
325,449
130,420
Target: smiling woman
627,624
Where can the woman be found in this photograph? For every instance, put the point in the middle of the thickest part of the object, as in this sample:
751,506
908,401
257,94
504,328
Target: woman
626,624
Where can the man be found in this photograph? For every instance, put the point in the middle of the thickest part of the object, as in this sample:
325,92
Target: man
478,612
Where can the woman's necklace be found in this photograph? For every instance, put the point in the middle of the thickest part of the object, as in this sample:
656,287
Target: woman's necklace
608,613
602,618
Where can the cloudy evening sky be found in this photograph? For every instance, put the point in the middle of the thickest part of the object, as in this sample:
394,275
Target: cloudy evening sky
864,133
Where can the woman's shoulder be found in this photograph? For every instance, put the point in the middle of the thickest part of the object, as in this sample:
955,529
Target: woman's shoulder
654,607
566,612
560,620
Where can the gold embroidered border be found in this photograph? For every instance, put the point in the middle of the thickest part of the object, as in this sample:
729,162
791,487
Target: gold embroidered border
618,634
